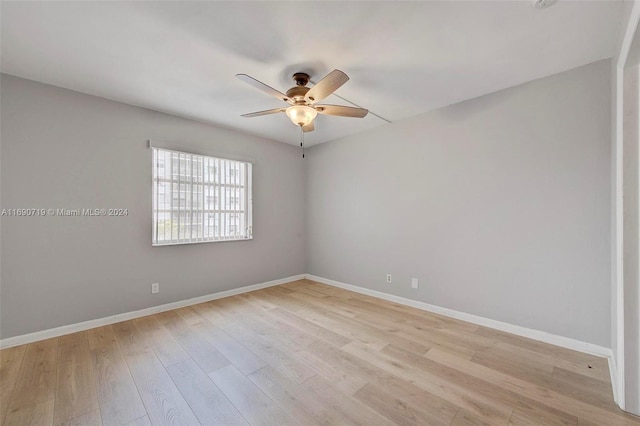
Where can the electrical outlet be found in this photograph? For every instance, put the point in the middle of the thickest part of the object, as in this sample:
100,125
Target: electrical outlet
388,278
155,288
414,283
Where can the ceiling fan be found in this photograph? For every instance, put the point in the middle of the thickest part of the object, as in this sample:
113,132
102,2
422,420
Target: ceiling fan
303,100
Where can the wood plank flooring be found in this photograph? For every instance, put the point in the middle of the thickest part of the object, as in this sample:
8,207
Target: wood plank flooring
302,353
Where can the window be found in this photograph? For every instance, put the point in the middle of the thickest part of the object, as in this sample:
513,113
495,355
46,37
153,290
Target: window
199,199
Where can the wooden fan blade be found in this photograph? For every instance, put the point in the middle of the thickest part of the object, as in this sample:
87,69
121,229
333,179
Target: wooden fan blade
308,128
326,86
265,112
266,89
342,111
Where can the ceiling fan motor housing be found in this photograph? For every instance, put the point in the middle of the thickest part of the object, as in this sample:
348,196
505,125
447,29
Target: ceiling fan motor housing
297,93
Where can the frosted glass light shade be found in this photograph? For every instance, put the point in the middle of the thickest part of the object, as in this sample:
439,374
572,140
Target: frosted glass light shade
301,115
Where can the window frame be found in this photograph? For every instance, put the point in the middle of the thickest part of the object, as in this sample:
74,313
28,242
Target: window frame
199,182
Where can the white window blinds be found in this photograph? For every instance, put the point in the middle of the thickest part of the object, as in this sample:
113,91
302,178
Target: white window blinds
200,199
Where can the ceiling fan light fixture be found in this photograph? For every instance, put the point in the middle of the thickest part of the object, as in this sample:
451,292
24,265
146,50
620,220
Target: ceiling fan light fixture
301,115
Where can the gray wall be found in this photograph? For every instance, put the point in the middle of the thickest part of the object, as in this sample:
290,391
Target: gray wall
63,149
499,205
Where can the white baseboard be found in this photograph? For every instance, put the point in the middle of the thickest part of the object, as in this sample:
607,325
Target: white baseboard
542,336
553,339
86,325
613,372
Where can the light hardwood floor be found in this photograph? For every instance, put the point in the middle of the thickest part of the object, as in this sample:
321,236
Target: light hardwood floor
302,353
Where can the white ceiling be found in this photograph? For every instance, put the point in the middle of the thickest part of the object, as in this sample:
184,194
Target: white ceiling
404,58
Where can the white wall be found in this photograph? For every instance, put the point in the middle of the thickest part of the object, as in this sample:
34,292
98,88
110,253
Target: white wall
631,232
499,205
63,149
626,237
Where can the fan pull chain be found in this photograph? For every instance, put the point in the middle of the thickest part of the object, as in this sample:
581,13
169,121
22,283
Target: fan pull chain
302,140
